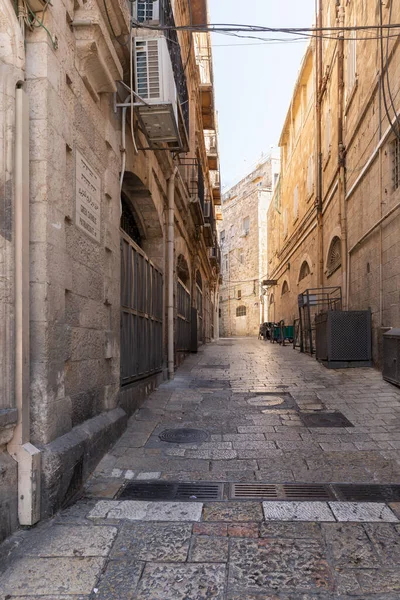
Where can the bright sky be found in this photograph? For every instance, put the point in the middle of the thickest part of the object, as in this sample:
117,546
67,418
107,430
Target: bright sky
254,83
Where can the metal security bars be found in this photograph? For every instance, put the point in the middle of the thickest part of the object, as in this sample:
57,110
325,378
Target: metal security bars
167,18
183,330
141,314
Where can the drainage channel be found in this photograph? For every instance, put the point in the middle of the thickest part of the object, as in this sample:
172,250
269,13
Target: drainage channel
211,491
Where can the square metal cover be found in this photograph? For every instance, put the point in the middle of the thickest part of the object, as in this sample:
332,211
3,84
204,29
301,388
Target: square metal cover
325,419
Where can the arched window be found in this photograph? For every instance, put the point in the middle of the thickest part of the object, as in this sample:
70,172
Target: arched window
334,256
285,288
304,270
199,281
129,221
271,299
241,311
182,270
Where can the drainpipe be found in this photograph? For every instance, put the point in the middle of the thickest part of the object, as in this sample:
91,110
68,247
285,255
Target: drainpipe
342,161
170,271
20,448
318,146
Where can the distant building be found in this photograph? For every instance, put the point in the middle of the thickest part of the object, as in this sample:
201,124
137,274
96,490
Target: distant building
243,241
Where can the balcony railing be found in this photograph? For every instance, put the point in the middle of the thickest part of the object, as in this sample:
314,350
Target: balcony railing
167,19
192,176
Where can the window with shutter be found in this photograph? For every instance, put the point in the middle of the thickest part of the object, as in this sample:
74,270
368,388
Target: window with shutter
147,10
241,311
285,223
296,203
334,256
304,270
310,175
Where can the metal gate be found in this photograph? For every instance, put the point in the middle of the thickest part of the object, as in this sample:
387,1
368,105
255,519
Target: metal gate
141,314
183,331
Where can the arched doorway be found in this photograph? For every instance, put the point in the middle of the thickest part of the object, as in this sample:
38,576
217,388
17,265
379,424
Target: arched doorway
183,320
141,302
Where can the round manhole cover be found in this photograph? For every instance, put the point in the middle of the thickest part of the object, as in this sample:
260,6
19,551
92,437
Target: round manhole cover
183,436
266,401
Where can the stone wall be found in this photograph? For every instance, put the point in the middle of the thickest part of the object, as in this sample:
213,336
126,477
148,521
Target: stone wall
368,270
77,406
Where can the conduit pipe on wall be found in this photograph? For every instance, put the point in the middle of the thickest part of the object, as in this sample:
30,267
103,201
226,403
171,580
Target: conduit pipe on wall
170,272
27,456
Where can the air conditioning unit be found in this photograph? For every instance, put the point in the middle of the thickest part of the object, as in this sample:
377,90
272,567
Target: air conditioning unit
207,209
391,356
155,85
146,10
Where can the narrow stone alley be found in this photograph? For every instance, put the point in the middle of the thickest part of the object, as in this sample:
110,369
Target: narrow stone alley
227,520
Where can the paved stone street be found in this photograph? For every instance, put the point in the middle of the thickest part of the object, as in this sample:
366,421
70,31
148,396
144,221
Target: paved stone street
257,403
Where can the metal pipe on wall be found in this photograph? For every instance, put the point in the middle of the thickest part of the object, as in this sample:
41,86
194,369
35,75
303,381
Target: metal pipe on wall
24,453
342,159
170,272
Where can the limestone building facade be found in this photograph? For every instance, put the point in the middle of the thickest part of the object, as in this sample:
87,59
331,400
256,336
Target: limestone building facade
335,219
243,241
109,264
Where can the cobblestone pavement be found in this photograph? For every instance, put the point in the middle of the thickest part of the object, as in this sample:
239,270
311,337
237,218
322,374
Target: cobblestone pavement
253,400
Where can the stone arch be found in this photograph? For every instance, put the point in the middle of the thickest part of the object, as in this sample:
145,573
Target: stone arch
147,219
304,271
334,256
285,288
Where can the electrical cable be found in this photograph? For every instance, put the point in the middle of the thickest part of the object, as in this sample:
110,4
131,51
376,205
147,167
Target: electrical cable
191,36
112,28
393,128
31,23
387,73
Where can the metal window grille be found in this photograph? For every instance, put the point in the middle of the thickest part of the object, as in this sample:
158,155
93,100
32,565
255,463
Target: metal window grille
304,271
334,256
145,10
141,314
183,325
241,311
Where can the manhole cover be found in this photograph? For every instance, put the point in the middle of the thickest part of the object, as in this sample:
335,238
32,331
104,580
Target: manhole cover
266,401
183,436
368,493
168,490
324,419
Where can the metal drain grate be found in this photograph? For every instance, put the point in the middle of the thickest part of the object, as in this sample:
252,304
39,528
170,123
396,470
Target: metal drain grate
368,493
325,419
242,491
169,490
183,436
224,367
289,491
307,492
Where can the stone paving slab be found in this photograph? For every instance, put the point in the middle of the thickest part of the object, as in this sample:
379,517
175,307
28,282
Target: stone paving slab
147,511
297,511
51,576
366,512
112,550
